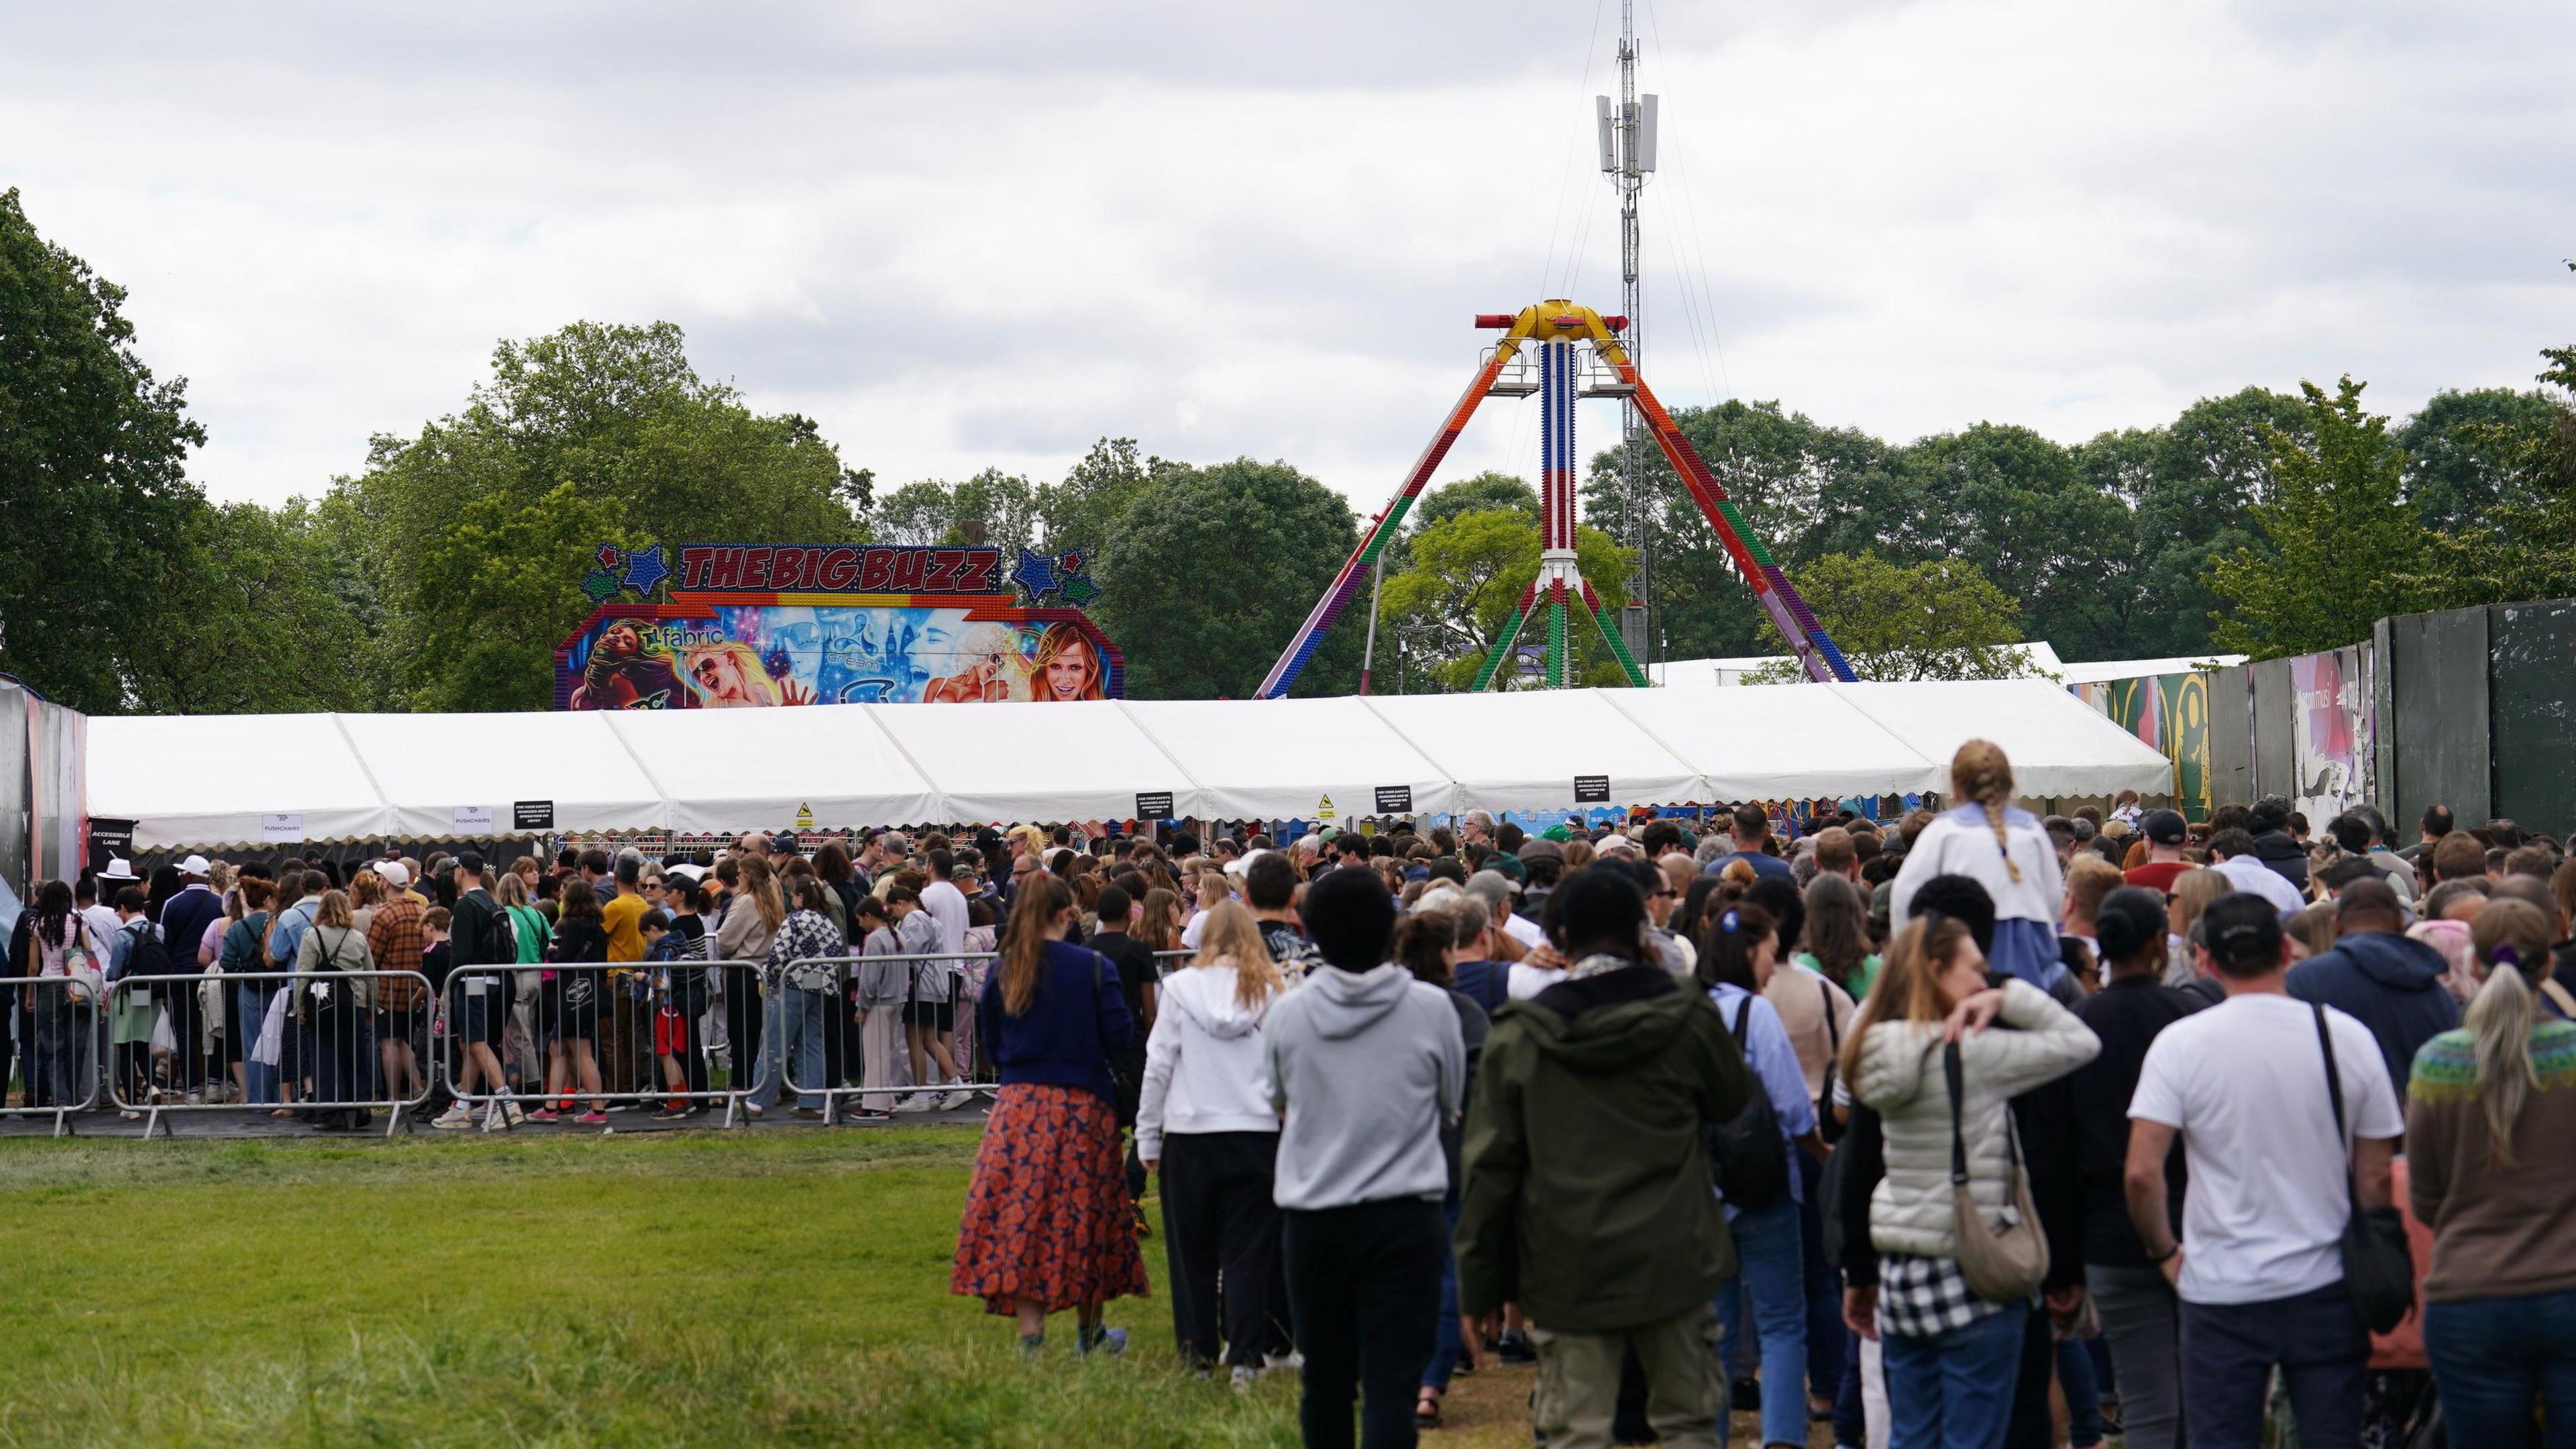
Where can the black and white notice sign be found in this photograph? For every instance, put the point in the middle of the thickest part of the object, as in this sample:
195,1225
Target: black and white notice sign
1155,806
1395,799
1591,789
532,815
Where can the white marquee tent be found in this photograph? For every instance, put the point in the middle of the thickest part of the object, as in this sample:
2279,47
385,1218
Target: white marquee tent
238,780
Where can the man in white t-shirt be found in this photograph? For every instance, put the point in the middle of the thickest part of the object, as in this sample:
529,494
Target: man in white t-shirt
945,903
2259,1264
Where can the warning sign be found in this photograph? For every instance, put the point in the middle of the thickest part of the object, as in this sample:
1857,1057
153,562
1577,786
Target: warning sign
1324,808
804,817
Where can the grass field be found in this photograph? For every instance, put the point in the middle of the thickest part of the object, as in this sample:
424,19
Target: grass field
699,1287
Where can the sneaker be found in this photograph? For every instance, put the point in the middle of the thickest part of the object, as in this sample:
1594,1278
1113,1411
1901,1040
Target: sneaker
545,1114
869,1117
1109,1341
454,1119
592,1118
1283,1363
196,1099
130,1115
807,1114
955,1100
754,1108
1243,1379
913,1104
501,1114
675,1114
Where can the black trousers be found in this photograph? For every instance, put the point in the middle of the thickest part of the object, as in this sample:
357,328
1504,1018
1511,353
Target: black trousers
742,1027
187,1027
1364,1289
1221,1236
2031,1425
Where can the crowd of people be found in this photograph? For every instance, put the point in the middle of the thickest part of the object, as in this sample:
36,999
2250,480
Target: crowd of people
1977,1129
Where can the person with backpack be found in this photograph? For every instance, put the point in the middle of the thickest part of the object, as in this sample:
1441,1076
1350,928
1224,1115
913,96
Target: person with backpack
1959,1246
483,934
334,1006
1587,1172
1755,1175
136,950
71,958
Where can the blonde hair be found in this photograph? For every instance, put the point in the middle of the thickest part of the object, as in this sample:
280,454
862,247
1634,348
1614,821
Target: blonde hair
2500,1017
334,911
2194,889
1980,775
1232,937
1908,986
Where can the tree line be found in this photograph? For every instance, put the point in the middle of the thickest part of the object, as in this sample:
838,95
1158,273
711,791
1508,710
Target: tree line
442,573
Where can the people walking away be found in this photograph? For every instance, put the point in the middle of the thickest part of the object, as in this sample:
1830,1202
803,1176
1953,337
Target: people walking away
1756,1169
184,919
395,941
2490,1109
575,985
743,936
2003,848
2166,834
2141,1319
2258,1264
1138,985
1959,1261
239,954
1752,831
1047,1225
2380,977
1368,1065
2231,854
1270,888
1204,1120
483,936
895,928
2274,844
336,1006
1587,1168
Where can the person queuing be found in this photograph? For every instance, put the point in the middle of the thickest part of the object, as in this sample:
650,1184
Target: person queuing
1205,1124
1047,1225
2490,1108
2003,849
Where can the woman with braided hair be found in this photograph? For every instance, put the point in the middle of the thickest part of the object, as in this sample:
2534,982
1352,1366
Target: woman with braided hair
1984,837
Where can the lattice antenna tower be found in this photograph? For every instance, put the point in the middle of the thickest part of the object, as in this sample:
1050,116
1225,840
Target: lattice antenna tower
1627,134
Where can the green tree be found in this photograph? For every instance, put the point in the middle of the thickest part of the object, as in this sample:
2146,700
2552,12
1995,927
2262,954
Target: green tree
1937,619
1471,495
1214,570
1452,602
2469,454
93,479
2022,510
472,537
2524,547
2195,482
248,620
1083,513
2339,546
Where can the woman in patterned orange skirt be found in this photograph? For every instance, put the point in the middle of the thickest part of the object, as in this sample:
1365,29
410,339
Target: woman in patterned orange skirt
1047,1223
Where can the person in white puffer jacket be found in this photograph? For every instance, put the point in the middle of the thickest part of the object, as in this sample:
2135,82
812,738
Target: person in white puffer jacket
1950,1355
1205,1119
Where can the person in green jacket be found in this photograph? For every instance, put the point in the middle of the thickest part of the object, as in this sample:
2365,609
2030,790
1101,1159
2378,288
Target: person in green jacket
1588,1199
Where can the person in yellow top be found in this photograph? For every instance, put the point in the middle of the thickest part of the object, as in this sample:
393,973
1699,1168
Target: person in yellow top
624,1025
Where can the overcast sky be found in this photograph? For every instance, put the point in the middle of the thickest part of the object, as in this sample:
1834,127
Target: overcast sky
979,233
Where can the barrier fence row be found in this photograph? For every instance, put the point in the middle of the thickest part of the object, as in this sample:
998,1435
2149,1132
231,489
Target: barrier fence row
502,1046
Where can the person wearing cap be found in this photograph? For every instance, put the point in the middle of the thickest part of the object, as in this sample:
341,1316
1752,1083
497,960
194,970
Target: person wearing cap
185,919
2141,1319
2258,1264
2166,832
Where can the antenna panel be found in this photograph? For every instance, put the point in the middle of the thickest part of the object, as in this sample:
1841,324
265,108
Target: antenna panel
1645,133
1609,134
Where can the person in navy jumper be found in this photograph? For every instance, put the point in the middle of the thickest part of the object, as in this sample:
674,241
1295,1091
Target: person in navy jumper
1047,1224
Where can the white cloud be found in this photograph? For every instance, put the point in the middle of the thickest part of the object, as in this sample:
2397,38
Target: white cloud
979,234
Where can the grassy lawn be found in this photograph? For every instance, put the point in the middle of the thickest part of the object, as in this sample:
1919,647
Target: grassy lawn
699,1287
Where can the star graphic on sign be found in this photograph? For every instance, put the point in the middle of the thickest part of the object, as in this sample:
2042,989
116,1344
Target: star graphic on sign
645,570
599,584
1080,590
1035,572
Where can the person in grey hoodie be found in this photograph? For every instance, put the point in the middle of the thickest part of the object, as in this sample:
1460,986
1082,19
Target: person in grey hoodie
2390,982
1367,1065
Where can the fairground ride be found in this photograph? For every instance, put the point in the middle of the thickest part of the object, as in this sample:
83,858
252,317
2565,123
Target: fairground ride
1541,352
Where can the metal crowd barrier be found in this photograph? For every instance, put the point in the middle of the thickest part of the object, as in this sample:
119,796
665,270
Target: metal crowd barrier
57,1048
325,1050
596,1033
826,1071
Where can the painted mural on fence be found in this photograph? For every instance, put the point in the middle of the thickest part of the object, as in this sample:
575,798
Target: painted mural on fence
2332,729
2170,712
755,626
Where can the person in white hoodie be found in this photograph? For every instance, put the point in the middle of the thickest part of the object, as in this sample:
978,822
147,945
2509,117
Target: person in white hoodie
1206,1122
2003,849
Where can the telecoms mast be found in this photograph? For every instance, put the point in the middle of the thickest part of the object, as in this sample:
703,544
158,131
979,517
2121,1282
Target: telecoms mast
1627,129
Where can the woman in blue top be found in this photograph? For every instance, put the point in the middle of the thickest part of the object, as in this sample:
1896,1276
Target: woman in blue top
1047,1224
1737,952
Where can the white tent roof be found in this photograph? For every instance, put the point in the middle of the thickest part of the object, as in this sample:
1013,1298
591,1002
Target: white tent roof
1764,744
462,774
1524,751
1284,760
1038,760
2059,746
739,769
207,779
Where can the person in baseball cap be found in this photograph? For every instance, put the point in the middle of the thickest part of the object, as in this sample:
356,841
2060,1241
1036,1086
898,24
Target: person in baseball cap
2165,832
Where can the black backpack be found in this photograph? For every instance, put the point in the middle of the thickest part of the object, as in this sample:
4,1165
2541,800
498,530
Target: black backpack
150,956
1747,1156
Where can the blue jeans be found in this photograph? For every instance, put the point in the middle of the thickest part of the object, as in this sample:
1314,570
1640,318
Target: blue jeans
1954,1390
773,1042
807,1015
250,1011
1770,1263
2083,1393
2493,1357
1447,1348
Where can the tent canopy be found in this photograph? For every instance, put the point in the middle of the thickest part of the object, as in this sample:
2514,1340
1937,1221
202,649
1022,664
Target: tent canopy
207,780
